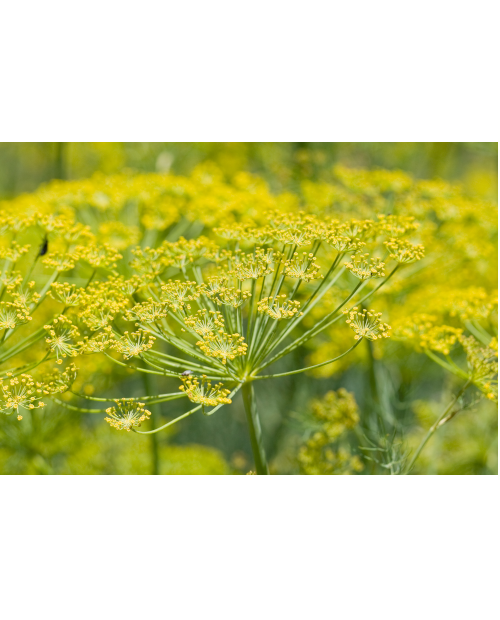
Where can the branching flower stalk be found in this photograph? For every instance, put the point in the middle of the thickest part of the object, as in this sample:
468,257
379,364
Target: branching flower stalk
214,316
447,414
447,345
211,316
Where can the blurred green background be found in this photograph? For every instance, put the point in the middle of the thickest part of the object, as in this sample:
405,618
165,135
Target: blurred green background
24,166
71,444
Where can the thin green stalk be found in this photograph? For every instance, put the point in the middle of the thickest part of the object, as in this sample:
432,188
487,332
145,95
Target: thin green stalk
311,332
79,409
444,417
182,345
279,284
24,344
156,398
256,324
261,321
444,364
269,342
252,304
315,297
179,362
22,369
479,334
139,369
254,429
372,372
379,286
155,461
294,372
30,270
181,417
263,350
321,326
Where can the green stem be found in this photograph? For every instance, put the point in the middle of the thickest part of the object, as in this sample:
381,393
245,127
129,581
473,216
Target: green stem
156,398
373,291
314,331
155,461
181,417
480,335
448,367
254,429
73,408
139,369
250,312
441,420
294,372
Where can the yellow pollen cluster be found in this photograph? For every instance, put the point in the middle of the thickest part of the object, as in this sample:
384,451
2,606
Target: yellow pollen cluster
67,294
231,297
19,393
255,265
364,268
11,316
205,322
132,345
177,294
203,392
404,251
223,346
57,382
278,308
302,267
147,312
61,336
127,414
440,338
367,324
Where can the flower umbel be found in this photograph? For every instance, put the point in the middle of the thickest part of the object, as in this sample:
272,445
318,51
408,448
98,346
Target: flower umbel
126,414
132,345
223,346
364,269
367,324
19,393
202,391
279,308
60,338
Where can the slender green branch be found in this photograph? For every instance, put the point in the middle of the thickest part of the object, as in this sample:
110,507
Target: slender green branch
254,429
479,334
443,418
24,344
79,409
294,372
164,397
155,461
311,332
139,369
181,417
454,370
373,291
177,362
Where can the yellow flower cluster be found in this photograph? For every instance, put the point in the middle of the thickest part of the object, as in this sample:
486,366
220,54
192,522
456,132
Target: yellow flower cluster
205,322
133,344
217,303
202,391
367,324
222,345
278,308
19,393
127,414
364,268
332,416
